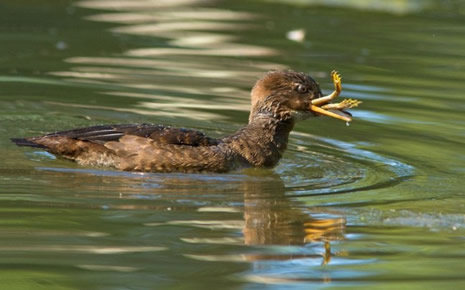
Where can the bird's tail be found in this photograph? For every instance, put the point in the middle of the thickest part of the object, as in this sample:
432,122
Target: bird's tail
26,142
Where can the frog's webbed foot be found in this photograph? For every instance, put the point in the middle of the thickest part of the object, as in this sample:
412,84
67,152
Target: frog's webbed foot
337,80
345,104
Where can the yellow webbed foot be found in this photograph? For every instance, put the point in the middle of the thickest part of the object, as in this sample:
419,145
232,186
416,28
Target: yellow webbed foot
337,80
345,104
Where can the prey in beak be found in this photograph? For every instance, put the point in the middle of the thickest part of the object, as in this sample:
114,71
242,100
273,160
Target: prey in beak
321,106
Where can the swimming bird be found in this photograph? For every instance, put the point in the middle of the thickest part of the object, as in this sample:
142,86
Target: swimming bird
279,100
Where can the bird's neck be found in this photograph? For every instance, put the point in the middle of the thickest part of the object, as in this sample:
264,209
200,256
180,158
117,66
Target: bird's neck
262,142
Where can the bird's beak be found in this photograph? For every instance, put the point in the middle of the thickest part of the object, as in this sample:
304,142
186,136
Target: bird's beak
335,113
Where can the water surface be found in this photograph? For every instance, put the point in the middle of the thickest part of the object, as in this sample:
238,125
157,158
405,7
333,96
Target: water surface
378,204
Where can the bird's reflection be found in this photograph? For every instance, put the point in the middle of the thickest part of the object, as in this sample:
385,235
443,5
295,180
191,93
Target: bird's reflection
270,218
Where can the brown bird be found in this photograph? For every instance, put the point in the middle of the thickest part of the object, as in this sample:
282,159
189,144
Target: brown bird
279,100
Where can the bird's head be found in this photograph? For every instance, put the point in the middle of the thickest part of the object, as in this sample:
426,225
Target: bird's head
287,95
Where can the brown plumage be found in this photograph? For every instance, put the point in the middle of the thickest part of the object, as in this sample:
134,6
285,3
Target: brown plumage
279,99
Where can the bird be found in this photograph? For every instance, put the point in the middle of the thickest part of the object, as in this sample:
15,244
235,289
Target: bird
279,100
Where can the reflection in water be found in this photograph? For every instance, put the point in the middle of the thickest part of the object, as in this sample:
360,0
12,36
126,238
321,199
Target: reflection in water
110,230
273,219
196,53
265,216
179,112
396,7
133,70
217,210
135,5
168,15
72,249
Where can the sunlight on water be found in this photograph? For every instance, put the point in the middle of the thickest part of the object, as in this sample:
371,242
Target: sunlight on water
398,7
135,5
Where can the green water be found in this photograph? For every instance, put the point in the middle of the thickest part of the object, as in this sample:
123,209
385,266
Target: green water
376,205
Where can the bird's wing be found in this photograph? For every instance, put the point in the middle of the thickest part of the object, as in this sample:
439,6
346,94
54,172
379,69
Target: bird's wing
158,133
142,154
116,146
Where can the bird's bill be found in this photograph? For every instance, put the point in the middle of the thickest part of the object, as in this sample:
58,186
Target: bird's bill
338,114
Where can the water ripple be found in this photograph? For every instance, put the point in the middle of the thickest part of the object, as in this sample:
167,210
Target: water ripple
331,166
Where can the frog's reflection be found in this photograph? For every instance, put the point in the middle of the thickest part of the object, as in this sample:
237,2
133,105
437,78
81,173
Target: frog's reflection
271,218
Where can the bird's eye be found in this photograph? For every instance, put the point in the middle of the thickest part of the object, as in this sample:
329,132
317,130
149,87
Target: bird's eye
301,88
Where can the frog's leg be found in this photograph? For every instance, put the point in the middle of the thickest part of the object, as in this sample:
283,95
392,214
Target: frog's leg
345,104
337,90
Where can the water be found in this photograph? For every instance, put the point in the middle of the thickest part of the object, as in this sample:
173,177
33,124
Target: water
379,204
